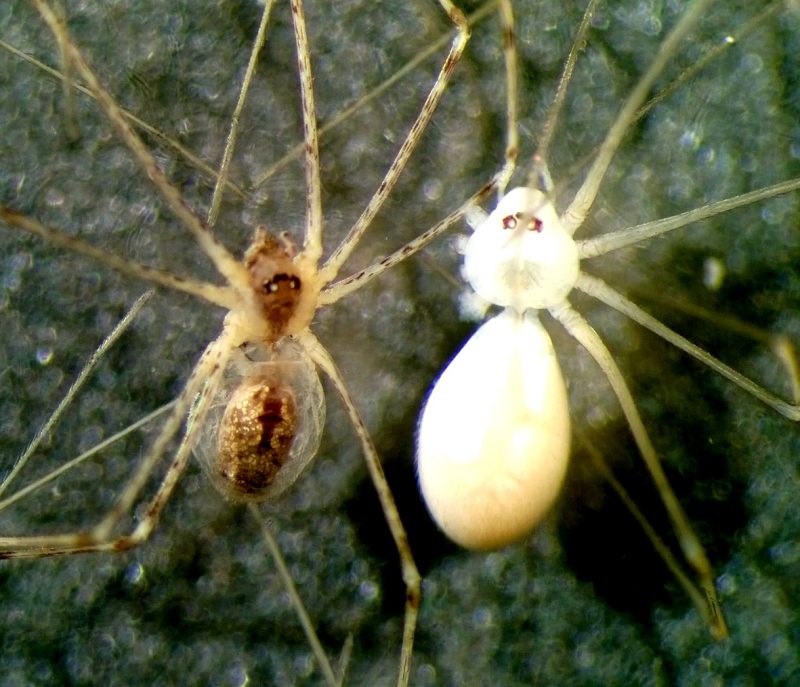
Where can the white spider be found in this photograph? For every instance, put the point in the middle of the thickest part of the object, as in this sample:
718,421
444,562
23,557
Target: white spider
494,436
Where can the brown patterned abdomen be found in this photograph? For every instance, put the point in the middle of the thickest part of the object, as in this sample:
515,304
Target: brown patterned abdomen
255,437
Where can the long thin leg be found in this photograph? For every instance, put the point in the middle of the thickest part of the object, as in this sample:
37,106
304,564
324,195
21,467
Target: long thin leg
696,67
233,129
411,575
203,381
217,295
699,65
294,596
500,179
498,182
661,548
334,263
312,248
357,280
779,343
181,150
509,41
583,332
539,168
71,128
83,457
374,93
579,207
75,387
196,395
225,263
603,292
613,240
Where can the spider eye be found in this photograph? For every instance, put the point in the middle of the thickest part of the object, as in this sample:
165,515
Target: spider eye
509,222
272,285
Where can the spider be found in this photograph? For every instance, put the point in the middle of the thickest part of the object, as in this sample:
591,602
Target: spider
498,618
252,405
494,435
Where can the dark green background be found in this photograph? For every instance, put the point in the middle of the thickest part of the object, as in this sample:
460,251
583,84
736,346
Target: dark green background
583,601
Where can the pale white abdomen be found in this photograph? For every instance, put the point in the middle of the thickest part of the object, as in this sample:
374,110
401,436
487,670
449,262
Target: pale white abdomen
494,436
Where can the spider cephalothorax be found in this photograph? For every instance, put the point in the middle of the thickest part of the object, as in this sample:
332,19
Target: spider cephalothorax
275,278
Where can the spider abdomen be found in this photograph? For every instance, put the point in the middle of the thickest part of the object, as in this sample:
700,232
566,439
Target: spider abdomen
493,440
264,422
255,436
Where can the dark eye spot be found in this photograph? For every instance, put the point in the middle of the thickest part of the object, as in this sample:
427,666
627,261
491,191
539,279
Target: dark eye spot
535,224
509,222
272,285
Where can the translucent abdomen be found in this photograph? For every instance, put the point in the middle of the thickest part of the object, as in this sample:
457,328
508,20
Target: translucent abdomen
264,422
